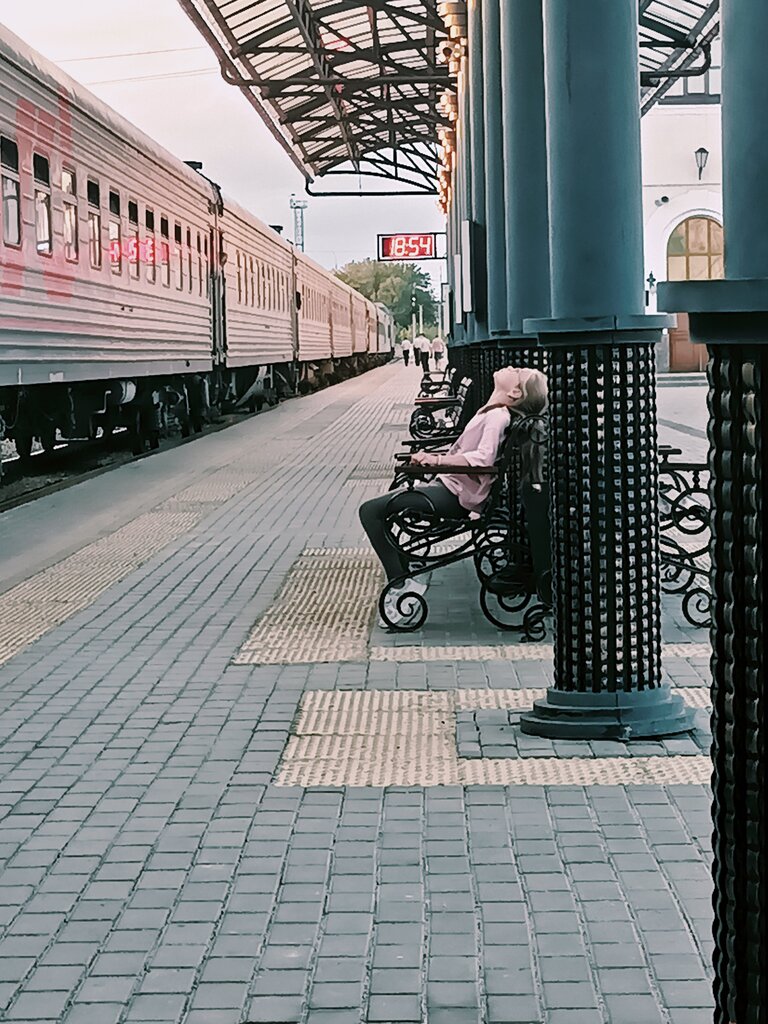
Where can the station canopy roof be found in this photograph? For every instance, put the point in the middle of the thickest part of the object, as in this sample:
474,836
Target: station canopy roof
353,88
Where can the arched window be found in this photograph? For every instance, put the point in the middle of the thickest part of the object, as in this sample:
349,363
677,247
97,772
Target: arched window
695,251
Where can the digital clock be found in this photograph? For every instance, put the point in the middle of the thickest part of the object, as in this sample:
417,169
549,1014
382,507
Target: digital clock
408,247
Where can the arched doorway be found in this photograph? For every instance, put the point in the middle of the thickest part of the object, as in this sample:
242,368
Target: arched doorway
694,253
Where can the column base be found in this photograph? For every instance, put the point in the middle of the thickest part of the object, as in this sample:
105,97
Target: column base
638,715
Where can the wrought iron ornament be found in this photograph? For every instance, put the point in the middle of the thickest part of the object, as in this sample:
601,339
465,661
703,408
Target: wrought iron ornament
684,515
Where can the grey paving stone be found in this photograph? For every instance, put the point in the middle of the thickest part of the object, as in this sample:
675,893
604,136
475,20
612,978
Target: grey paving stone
513,1010
35,1006
569,995
395,981
335,995
636,1008
274,1010
394,1010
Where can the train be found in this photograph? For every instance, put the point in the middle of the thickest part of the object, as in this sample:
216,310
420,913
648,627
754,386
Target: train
133,292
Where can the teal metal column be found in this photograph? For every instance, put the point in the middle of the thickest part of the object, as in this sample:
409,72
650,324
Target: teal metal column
476,320
525,163
493,130
731,318
603,458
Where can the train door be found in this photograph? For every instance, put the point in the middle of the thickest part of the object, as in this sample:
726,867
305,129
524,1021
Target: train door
218,295
295,306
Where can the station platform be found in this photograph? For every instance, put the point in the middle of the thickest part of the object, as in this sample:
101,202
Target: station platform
228,796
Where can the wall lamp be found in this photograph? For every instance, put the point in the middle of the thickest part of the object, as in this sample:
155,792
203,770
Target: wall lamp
702,155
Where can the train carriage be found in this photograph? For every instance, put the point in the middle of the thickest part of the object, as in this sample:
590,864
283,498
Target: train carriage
259,275
314,312
96,278
130,286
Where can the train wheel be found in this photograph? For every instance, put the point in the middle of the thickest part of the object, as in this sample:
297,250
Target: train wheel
48,439
23,444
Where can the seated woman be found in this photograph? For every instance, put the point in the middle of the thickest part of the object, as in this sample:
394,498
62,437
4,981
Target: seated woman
516,392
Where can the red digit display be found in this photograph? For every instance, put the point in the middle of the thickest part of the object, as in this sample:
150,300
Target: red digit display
407,247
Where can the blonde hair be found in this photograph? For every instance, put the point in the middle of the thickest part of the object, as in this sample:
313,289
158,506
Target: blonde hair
535,394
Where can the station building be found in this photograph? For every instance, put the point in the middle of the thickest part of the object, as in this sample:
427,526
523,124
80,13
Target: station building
682,199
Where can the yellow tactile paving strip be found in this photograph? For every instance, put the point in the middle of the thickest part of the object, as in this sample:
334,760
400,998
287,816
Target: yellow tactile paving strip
505,652
407,738
323,611
45,600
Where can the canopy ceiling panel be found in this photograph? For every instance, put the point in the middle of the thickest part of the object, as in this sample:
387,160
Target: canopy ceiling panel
355,88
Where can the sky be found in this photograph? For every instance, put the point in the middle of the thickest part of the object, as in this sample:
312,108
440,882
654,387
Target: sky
179,99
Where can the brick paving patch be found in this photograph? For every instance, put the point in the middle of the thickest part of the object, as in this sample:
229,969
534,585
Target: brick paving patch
495,733
413,738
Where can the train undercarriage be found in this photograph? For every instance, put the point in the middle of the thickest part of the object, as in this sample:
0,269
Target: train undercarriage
149,408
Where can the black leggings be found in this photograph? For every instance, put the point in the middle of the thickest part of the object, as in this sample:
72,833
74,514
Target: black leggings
373,515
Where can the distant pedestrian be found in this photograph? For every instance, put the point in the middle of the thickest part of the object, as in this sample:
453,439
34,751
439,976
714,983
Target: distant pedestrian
407,349
438,351
417,350
423,351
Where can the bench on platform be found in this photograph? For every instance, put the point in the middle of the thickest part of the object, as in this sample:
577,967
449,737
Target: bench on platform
508,541
439,382
436,416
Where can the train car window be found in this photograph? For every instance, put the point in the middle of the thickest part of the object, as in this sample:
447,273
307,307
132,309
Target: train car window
199,264
246,282
189,259
69,190
134,244
207,268
94,223
165,254
11,191
150,248
42,174
253,281
115,233
239,278
178,250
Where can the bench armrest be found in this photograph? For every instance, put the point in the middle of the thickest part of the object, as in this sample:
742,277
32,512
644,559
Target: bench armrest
427,443
436,401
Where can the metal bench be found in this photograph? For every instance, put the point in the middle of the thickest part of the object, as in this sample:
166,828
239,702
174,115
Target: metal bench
437,416
439,383
508,541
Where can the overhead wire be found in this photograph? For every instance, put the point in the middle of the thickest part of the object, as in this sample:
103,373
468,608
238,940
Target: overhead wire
135,53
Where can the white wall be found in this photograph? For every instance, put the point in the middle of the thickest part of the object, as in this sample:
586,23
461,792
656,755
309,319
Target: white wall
670,137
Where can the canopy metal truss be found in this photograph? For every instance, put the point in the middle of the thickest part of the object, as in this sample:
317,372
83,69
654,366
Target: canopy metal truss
675,40
348,87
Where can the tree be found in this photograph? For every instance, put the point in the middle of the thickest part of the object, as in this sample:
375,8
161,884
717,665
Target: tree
396,285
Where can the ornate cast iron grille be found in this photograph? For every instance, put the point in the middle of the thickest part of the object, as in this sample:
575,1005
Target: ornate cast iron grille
737,408
684,523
